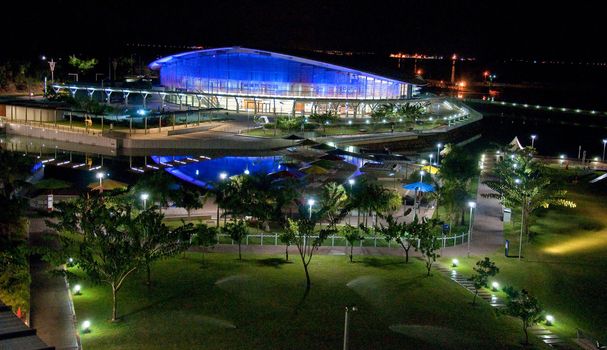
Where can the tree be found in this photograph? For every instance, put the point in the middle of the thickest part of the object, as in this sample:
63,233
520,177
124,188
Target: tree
483,270
237,232
333,198
399,232
155,240
158,185
324,119
303,229
524,306
352,234
189,199
288,238
205,237
525,182
82,65
14,273
458,168
429,244
97,233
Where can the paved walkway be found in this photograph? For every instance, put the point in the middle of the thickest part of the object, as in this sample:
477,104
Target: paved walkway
51,308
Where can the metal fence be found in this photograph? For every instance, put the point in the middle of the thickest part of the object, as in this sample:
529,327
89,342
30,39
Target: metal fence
338,241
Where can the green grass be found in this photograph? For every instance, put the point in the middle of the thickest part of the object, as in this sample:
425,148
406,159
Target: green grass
565,263
257,304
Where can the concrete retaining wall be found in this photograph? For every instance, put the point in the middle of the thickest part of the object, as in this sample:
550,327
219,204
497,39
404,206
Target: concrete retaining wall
60,135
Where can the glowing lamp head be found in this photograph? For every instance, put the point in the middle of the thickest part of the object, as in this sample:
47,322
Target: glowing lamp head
455,262
86,326
472,204
351,181
549,320
141,111
223,175
533,137
517,181
100,175
247,172
439,145
422,173
70,260
145,196
495,285
562,156
311,202
77,289
604,141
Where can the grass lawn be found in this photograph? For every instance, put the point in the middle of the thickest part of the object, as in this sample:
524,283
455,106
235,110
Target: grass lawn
565,264
257,304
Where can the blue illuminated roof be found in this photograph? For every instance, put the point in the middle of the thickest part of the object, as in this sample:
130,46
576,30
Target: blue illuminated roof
157,64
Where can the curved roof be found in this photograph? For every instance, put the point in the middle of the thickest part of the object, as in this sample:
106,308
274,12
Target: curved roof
157,64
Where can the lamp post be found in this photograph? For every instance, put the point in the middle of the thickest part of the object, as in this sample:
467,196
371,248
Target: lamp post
438,146
520,239
533,140
311,204
604,143
100,176
351,182
222,176
431,156
472,205
347,324
144,198
421,176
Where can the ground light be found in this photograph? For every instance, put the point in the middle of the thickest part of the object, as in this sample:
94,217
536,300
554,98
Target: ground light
223,175
77,289
549,320
455,262
495,286
86,326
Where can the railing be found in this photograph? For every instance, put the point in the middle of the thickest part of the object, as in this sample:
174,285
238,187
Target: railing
273,239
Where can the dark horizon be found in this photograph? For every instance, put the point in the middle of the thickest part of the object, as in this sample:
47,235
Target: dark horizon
469,28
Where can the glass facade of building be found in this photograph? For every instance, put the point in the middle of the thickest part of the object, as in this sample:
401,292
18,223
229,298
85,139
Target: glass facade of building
246,72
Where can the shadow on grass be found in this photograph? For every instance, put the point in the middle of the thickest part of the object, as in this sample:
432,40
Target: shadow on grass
273,262
370,261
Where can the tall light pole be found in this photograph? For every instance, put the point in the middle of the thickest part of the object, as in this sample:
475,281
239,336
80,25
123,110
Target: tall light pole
604,143
347,324
222,176
431,156
311,204
523,203
100,176
351,182
438,146
533,140
472,205
421,176
144,198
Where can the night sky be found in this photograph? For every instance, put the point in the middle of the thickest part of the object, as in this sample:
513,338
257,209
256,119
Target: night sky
473,28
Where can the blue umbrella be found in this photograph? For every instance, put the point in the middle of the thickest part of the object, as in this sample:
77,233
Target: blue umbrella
419,186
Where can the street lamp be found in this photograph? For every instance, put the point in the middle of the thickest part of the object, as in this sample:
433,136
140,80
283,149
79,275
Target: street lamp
438,147
347,324
533,140
604,143
421,176
431,156
311,204
520,239
351,182
100,176
144,198
472,205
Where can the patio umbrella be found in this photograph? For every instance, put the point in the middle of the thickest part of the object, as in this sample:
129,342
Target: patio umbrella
108,185
419,186
314,170
430,169
293,137
331,157
308,142
323,147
